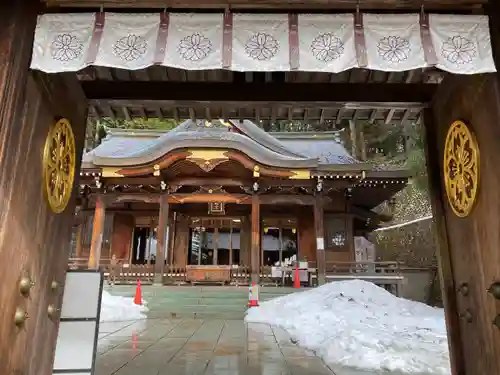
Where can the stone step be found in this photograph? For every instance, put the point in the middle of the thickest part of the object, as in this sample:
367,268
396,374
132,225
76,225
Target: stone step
197,315
209,308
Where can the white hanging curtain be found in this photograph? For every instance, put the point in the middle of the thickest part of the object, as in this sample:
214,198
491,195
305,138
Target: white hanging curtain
458,44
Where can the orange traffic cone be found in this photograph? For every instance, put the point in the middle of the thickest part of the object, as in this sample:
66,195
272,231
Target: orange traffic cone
296,279
253,295
138,294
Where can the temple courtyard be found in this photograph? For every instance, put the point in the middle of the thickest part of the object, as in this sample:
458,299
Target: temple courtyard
195,330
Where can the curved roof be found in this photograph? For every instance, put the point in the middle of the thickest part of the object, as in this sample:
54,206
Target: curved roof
288,150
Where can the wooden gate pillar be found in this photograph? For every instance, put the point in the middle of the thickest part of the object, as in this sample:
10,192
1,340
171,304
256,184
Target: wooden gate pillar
34,240
320,238
161,243
255,245
97,233
467,222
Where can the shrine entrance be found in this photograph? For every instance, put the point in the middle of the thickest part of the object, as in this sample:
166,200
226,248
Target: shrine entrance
317,66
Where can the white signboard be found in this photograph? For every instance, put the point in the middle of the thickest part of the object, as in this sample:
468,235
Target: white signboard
320,243
79,323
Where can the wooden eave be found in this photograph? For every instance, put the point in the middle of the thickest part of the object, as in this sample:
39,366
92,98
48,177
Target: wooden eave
326,101
277,5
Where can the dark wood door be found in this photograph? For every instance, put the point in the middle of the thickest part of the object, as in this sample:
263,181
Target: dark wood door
469,246
34,241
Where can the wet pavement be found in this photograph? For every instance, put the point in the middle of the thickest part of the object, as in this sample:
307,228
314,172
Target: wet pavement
200,331
201,347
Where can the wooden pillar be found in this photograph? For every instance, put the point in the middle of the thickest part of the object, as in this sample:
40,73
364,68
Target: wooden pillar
362,146
122,237
280,234
150,237
306,233
349,237
468,256
245,241
231,243
78,240
34,240
161,238
320,238
97,233
255,245
215,242
181,242
354,138
172,237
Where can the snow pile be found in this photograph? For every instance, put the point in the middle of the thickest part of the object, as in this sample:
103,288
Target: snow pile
118,309
360,325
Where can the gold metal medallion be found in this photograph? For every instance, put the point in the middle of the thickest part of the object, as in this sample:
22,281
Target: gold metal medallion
461,168
59,162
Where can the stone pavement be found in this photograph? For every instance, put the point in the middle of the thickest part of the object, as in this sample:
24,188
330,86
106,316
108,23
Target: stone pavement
200,331
196,347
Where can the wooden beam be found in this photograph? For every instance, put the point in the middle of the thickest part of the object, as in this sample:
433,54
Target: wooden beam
255,244
367,5
317,93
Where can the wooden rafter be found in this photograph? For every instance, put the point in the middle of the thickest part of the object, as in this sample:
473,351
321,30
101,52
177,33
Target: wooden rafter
341,93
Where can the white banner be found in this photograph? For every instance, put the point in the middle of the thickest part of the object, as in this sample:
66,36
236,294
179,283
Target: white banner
462,43
393,42
62,42
326,43
262,42
128,41
194,41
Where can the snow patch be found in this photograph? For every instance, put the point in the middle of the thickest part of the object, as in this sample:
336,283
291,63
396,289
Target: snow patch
360,325
118,308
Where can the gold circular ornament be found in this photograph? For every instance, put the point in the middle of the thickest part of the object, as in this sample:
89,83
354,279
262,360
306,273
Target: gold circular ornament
461,168
59,162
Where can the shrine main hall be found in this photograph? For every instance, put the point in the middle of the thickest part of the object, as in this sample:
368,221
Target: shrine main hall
224,201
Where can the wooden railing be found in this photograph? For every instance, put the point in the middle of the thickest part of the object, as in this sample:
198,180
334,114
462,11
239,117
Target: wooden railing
174,275
365,267
240,275
125,273
130,274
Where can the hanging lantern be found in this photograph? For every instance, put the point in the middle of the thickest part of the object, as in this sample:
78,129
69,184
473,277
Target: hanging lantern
266,230
294,230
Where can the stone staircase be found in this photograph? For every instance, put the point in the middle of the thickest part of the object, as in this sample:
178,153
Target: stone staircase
200,302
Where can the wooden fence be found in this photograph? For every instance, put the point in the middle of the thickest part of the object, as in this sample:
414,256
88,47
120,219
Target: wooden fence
381,273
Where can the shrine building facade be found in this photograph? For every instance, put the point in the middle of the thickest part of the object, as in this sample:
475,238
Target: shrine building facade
224,200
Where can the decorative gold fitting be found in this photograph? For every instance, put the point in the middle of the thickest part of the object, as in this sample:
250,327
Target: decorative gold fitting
466,315
496,321
54,285
20,317
156,170
25,286
495,290
256,171
463,289
52,311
